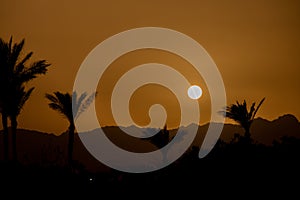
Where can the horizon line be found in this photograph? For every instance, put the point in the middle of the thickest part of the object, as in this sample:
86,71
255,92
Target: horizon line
174,128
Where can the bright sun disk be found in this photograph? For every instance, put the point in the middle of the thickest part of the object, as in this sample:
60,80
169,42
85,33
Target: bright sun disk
194,92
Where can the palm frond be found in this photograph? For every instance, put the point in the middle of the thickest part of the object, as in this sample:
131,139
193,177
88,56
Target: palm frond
260,103
13,75
10,43
62,103
21,65
16,52
37,68
58,108
80,99
77,102
17,99
239,113
23,99
83,106
51,98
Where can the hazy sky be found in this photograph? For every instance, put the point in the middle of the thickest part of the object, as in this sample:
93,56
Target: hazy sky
255,45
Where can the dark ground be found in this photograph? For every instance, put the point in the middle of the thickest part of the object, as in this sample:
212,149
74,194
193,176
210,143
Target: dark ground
230,170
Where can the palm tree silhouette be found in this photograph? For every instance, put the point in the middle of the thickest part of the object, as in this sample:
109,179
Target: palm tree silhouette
239,113
161,138
18,100
14,73
62,103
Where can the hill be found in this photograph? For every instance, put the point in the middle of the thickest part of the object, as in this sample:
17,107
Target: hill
36,147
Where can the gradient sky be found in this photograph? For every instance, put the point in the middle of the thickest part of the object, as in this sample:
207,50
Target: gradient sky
255,45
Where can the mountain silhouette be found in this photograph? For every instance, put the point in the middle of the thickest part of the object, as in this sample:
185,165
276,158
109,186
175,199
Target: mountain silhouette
262,130
265,131
40,148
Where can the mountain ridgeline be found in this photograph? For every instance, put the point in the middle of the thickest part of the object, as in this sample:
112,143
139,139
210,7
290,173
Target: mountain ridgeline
47,149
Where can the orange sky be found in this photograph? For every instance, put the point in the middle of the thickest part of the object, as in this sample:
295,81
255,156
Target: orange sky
255,45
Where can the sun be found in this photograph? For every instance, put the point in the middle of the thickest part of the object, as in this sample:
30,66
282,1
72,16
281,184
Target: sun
194,92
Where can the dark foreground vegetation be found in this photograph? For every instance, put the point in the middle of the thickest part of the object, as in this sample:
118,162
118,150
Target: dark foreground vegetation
229,168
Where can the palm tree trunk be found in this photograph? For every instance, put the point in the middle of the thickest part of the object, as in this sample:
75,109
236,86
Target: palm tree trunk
14,125
5,136
71,143
247,135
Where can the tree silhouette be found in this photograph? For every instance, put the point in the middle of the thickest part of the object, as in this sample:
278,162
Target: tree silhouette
4,62
161,138
19,98
14,74
62,103
239,113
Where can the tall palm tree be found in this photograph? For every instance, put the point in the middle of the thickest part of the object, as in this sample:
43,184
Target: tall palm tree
14,74
20,96
62,103
239,113
4,51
